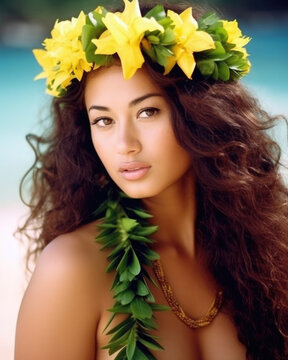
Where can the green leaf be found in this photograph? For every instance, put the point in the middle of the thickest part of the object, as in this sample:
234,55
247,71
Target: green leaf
150,298
168,37
150,254
118,334
102,207
110,242
147,230
131,346
139,238
151,344
206,67
116,251
208,19
126,276
128,224
126,297
158,12
104,233
140,309
121,325
112,348
151,53
114,345
219,50
116,281
120,309
88,32
107,226
109,321
157,307
148,324
233,61
166,22
121,287
215,72
134,267
141,213
153,39
162,53
139,355
113,265
142,289
149,277
222,33
121,355
223,71
123,262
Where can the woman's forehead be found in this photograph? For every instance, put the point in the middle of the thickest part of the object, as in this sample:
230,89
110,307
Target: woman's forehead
106,83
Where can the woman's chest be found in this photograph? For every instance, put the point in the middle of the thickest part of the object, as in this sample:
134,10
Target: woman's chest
217,341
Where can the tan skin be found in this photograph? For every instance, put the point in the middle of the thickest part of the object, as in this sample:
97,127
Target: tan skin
64,310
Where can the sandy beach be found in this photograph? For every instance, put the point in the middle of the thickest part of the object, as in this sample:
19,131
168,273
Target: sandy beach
12,277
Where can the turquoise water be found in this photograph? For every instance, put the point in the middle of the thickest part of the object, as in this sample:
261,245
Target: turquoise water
23,100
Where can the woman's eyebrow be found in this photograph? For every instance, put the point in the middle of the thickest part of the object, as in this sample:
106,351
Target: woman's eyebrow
142,98
132,103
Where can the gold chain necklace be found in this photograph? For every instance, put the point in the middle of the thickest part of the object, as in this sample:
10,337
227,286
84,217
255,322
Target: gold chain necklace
176,307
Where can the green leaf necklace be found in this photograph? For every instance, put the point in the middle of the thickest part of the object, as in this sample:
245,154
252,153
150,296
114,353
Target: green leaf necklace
126,231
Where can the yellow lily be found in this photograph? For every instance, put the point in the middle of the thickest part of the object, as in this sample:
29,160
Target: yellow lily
123,36
188,41
235,36
63,58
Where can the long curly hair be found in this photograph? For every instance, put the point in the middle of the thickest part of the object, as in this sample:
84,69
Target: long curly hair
242,217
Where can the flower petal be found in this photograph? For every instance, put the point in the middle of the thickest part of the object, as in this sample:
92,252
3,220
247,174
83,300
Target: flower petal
117,27
106,45
131,10
141,25
171,62
187,63
200,41
131,60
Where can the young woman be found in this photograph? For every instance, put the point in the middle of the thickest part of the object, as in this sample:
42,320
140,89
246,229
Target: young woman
192,151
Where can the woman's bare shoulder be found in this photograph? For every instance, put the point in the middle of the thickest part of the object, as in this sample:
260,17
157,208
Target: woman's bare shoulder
62,305
73,253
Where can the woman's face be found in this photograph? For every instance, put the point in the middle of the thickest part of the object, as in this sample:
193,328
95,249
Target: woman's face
132,132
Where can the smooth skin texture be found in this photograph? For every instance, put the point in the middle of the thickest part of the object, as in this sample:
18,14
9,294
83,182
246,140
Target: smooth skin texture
132,133
64,310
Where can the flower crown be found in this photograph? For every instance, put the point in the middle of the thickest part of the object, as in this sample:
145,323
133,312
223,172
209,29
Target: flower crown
212,46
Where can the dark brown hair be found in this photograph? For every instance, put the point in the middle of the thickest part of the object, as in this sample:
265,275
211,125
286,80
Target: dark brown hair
242,221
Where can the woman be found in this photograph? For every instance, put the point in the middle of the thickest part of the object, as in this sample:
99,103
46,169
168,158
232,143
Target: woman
191,152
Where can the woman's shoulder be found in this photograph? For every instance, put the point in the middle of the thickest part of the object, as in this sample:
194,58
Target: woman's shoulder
64,299
74,252
74,258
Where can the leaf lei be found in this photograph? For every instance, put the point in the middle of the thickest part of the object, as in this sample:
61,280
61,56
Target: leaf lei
125,230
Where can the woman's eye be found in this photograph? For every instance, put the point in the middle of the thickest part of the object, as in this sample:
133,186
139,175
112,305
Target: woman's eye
146,113
102,122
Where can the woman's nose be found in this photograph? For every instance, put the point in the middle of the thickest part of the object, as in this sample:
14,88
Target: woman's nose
127,139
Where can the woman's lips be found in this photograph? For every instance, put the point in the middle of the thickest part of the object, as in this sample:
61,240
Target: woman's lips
134,170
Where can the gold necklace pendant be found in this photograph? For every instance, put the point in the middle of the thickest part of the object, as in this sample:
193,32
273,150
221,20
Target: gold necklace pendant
176,307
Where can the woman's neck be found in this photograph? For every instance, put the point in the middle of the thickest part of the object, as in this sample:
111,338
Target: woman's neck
174,211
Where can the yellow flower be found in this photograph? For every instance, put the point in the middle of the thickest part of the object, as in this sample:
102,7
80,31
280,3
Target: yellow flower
188,40
123,36
63,58
235,36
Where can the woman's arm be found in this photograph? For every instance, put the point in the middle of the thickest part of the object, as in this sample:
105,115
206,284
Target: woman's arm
60,309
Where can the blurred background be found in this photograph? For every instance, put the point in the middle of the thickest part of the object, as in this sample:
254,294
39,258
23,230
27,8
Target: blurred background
23,26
